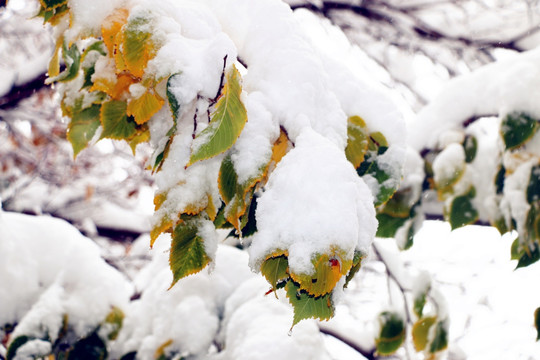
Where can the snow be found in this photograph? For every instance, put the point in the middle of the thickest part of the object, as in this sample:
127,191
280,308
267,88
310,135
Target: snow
493,89
50,269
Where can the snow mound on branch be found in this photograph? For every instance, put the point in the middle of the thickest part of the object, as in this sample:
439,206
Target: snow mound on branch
49,270
313,201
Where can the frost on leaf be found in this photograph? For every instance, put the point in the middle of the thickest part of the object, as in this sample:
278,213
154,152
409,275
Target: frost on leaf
228,120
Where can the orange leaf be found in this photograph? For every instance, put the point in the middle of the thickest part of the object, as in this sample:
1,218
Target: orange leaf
111,27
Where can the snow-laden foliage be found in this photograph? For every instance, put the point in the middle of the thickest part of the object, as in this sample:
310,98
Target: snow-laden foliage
279,140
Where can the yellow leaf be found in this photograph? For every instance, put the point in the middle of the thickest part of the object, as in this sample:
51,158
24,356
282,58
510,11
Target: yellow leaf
280,148
420,332
165,225
115,89
142,136
54,63
328,271
144,107
160,351
111,27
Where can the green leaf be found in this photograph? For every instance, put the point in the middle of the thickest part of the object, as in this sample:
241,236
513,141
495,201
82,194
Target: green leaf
72,60
82,127
174,104
89,66
228,180
227,122
389,225
517,128
15,345
307,306
52,4
116,124
275,270
462,212
420,332
529,256
357,140
470,145
420,302
392,333
533,188
537,323
516,252
385,189
188,255
89,348
440,340
357,263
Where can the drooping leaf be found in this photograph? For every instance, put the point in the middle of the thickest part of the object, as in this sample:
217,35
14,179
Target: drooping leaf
275,269
440,339
470,146
82,127
308,306
15,345
517,128
533,188
462,212
327,273
144,107
420,332
116,124
188,255
91,347
227,122
378,142
280,147
357,140
138,46
392,333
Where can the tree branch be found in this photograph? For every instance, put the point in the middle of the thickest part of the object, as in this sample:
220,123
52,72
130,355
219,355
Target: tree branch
368,354
21,92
